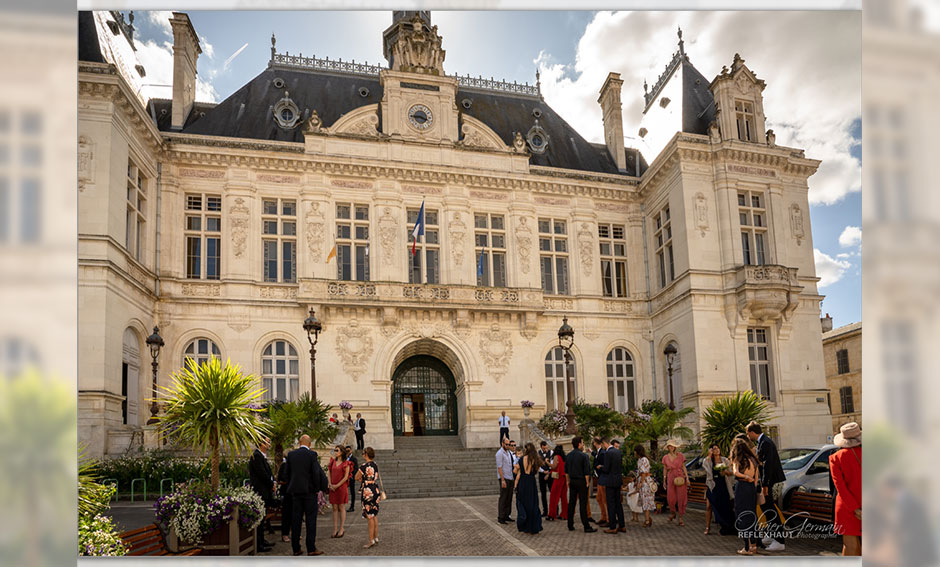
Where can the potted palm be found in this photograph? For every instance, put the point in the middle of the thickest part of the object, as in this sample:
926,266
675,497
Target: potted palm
726,417
212,408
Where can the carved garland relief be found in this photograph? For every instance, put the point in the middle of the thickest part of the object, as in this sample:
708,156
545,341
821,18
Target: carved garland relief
238,216
315,228
701,213
388,230
496,350
586,248
457,229
354,346
796,223
86,158
524,243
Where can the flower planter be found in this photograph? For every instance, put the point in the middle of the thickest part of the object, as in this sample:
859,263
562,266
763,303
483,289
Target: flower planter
525,411
230,539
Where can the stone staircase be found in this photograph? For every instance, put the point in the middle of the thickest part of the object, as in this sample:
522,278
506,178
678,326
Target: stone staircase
436,466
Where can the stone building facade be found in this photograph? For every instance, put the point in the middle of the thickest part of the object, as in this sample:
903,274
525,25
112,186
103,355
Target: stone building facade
842,352
219,222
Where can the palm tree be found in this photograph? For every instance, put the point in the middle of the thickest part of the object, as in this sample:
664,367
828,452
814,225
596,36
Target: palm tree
728,416
660,423
208,408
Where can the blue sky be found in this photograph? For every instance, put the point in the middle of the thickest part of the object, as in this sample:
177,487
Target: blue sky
812,99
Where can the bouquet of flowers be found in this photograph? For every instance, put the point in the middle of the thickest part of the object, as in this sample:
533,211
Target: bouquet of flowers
553,423
194,511
720,467
527,403
344,405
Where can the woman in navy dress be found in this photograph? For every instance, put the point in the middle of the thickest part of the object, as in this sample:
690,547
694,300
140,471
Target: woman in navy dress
528,514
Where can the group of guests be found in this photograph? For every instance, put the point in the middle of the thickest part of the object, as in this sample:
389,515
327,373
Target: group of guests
301,480
359,428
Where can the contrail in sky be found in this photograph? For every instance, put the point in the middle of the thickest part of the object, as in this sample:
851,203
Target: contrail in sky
233,56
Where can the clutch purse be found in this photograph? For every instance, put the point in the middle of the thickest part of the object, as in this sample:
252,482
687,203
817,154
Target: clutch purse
679,481
761,499
555,474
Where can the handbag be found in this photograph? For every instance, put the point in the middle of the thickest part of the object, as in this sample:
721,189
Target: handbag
382,494
761,499
652,485
679,481
555,474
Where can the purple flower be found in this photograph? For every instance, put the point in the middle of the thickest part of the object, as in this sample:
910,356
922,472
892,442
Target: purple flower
527,403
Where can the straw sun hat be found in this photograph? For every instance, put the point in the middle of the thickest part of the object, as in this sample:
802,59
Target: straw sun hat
849,435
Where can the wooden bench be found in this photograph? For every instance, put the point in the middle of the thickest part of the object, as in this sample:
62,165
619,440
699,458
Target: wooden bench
813,505
149,540
697,492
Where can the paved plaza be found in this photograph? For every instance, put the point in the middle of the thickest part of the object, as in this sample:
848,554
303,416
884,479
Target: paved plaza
467,526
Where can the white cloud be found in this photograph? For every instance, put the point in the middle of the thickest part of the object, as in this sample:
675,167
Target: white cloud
828,269
233,56
157,59
851,236
813,84
161,19
207,48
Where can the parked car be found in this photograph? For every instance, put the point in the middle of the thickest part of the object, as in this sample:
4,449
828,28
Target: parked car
806,468
696,469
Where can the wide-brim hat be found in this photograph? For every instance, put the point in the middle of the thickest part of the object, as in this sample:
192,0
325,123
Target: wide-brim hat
672,442
849,435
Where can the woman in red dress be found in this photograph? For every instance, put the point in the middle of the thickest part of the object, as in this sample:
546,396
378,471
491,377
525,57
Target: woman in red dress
845,466
339,488
559,486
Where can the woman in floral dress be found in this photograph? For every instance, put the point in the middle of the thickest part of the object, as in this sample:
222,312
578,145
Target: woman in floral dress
646,495
368,476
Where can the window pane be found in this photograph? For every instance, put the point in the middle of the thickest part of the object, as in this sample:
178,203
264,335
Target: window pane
30,196
343,231
610,395
603,230
344,262
548,285
549,395
281,389
618,232
193,254
621,279
268,207
561,245
270,260
213,224
561,265
545,244
362,213
362,232
560,227
362,263
414,272
431,236
430,217
294,366
742,218
496,222
342,211
620,250
480,221
605,248
289,260
499,241
746,247
545,226
433,260
607,278
288,208
269,227
193,202
212,258
483,269
289,228
279,348
481,240
499,270
759,248
213,203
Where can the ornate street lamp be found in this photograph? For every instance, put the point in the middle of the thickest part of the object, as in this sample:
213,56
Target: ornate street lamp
155,342
670,353
566,341
313,327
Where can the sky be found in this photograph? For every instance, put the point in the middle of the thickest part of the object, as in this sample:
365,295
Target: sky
811,62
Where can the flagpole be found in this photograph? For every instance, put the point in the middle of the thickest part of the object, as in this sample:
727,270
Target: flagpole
424,263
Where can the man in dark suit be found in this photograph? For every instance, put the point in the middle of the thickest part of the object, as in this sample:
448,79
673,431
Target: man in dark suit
578,469
612,468
545,476
262,482
359,427
771,472
305,479
599,453
352,478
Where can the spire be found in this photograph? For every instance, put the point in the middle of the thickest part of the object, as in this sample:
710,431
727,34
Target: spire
538,82
681,42
273,43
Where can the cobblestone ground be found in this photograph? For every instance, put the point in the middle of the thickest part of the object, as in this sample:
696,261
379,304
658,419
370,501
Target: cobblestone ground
467,526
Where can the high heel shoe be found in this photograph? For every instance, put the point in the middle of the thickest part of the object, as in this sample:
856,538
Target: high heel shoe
647,523
370,544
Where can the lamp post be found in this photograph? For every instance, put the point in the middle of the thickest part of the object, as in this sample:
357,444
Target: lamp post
670,353
313,327
566,341
155,342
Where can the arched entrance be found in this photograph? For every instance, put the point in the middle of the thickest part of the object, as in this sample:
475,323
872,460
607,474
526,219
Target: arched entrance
424,401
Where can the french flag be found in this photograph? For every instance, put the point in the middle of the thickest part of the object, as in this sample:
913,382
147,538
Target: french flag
419,229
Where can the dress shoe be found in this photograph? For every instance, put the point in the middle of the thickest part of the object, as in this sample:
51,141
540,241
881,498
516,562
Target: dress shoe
296,553
502,522
602,523
622,530
317,552
350,509
570,528
613,531
589,530
510,519
591,521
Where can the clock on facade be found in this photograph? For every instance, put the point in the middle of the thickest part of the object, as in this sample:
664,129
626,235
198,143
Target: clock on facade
420,117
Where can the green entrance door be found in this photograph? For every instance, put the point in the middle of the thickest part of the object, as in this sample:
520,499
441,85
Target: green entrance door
423,399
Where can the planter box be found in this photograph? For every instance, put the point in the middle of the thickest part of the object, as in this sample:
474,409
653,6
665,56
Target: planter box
231,539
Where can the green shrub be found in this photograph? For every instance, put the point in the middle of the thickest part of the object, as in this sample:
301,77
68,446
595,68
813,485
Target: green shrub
154,466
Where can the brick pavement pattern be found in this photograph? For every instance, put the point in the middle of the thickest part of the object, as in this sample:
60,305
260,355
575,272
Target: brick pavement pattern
466,526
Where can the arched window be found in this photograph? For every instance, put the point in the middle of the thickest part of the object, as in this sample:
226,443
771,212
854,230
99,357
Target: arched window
621,385
130,376
556,391
280,372
201,350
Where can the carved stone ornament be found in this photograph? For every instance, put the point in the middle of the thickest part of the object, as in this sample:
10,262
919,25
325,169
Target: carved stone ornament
286,113
86,158
771,138
417,48
714,134
354,345
457,229
537,138
586,248
314,123
496,351
473,138
238,215
796,223
388,230
701,213
524,243
368,126
315,226
518,143
426,330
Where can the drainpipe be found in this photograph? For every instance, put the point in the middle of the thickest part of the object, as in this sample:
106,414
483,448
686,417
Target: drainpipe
649,305
156,244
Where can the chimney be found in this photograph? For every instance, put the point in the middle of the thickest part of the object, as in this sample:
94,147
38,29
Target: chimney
613,119
185,53
826,323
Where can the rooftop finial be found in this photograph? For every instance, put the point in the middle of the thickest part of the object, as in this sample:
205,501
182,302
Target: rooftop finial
273,43
538,82
681,42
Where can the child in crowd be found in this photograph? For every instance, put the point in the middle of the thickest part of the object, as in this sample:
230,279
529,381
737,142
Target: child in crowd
633,497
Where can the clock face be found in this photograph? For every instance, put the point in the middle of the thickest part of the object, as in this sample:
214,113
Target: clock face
420,117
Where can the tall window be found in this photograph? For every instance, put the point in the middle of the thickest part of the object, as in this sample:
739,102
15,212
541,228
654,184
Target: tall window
352,242
845,396
203,230
279,239
664,253
200,350
744,118
429,250
758,353
130,372
556,391
613,259
842,359
752,215
136,205
490,241
21,167
280,372
553,248
621,386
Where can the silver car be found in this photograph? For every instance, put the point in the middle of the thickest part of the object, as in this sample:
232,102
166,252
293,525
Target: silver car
806,467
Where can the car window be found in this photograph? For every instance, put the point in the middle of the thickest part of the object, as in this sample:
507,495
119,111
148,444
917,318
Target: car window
795,459
821,464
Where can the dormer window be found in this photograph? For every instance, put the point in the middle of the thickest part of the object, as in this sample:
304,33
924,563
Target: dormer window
286,113
744,119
